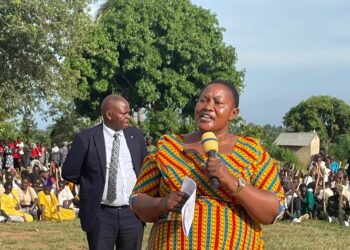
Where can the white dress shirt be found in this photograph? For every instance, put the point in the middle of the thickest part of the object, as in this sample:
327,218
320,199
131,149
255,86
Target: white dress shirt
65,195
126,177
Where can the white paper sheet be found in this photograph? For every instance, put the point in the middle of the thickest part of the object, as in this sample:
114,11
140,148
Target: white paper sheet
187,211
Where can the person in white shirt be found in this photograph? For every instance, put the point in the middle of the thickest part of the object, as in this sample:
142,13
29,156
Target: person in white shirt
105,160
55,154
326,193
64,195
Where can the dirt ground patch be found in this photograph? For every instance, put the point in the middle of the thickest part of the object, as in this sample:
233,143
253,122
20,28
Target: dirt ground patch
17,235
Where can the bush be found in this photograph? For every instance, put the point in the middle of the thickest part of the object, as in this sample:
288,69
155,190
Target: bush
284,155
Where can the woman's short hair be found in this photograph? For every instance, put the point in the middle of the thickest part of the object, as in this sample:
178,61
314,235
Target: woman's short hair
230,86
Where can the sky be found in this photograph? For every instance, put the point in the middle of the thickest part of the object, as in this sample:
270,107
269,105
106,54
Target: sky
290,51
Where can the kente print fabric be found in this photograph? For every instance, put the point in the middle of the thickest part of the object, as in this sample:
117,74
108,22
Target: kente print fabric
219,221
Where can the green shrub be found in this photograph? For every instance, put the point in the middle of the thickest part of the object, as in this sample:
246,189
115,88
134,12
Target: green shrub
284,155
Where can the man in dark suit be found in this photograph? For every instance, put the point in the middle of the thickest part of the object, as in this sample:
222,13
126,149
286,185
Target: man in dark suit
105,160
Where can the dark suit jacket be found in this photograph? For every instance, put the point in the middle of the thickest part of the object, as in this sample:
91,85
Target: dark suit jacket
86,165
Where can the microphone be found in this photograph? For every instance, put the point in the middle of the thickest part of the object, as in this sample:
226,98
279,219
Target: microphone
211,146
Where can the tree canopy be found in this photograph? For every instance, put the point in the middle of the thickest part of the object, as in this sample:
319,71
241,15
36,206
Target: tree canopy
341,148
329,116
156,53
36,36
66,126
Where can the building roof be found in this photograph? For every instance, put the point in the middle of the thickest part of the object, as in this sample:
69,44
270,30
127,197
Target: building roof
295,139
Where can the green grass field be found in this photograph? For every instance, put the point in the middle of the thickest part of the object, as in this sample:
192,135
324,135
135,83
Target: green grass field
68,235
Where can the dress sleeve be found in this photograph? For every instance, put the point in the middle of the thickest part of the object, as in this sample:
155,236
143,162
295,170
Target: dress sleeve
149,179
266,177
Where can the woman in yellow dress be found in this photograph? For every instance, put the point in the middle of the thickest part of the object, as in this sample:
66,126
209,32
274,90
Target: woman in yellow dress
49,206
9,204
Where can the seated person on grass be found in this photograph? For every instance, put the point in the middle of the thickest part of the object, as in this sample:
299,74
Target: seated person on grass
65,196
28,198
293,204
323,195
338,207
49,206
9,178
9,205
307,200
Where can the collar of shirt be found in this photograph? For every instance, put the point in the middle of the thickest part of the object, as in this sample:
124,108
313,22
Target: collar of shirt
110,132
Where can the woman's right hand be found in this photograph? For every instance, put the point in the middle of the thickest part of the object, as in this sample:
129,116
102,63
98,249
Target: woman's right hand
174,201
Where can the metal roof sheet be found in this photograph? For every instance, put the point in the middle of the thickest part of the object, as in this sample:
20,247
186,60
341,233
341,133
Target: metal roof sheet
295,139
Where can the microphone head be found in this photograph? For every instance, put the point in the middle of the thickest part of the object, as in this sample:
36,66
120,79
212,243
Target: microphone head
209,142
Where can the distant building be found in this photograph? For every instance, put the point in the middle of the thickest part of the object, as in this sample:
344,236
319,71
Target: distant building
304,144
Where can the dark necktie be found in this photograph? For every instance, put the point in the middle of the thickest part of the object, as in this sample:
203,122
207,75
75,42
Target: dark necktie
113,169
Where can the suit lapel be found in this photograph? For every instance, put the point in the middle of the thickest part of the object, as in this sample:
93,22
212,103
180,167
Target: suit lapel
101,150
130,141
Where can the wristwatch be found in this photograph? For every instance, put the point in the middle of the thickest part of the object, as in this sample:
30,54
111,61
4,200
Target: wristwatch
132,200
242,183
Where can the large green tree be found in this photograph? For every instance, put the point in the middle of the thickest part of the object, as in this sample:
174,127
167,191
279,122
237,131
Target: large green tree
65,126
340,149
156,53
36,37
329,116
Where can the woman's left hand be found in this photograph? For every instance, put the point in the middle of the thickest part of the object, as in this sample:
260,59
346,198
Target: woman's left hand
174,201
216,168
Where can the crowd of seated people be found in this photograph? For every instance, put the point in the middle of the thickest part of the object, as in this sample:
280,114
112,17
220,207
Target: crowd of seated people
31,187
34,190
321,192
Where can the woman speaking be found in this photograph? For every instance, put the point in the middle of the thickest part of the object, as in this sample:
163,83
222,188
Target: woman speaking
226,217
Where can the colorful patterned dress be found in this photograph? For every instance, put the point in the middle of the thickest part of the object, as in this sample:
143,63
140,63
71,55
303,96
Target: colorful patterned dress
219,221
